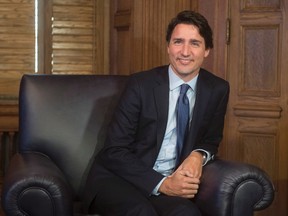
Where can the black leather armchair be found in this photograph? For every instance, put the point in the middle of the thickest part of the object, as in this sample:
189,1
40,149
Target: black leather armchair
63,121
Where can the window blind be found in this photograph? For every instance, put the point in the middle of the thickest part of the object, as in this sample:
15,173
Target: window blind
77,28
17,41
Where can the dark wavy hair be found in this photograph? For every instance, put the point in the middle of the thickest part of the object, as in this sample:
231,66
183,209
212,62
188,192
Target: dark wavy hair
192,18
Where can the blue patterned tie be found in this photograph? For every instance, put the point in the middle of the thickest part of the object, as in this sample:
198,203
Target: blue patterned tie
182,119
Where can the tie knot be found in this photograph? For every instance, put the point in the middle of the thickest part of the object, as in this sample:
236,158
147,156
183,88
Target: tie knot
184,88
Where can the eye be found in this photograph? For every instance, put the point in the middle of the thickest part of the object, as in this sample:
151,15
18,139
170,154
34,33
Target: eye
195,43
177,41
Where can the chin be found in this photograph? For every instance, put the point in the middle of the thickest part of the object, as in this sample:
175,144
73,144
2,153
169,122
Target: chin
188,75
186,72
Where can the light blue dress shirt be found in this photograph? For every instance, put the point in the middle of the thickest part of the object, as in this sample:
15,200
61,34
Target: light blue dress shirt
166,160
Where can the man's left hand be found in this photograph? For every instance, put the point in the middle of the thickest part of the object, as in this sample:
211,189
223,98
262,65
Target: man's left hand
192,165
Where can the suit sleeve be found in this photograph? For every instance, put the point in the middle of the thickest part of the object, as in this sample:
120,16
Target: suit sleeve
122,151
211,127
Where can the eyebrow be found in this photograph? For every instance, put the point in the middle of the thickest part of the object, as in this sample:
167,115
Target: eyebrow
174,39
194,40
191,40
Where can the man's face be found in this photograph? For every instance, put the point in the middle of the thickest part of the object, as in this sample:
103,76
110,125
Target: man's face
186,51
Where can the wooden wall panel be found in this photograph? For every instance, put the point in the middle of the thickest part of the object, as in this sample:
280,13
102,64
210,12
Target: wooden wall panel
259,72
257,118
260,4
119,32
216,12
266,146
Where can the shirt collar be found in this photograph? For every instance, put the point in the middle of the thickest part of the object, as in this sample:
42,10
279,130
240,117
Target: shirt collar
175,81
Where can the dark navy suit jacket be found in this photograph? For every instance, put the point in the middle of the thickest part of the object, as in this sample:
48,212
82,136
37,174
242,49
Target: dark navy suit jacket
138,127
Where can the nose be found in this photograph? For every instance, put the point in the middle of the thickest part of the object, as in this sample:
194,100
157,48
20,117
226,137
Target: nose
185,50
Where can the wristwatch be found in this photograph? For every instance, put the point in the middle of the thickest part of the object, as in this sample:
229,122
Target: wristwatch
205,155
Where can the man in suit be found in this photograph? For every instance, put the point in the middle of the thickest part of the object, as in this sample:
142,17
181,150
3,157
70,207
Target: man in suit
141,170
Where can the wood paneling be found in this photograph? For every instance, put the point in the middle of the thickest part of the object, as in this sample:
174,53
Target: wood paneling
8,128
259,65
260,5
265,145
216,12
257,72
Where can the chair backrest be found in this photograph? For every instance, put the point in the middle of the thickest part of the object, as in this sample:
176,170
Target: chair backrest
66,117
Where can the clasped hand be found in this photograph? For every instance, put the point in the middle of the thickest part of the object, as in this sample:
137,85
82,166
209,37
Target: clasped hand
185,181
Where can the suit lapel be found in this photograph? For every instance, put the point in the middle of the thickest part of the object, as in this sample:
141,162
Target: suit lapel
161,97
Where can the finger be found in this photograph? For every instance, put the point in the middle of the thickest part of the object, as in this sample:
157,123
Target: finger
191,187
196,174
193,173
186,173
190,180
189,193
190,196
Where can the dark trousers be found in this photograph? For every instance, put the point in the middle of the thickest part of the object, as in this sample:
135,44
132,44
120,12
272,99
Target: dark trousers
116,197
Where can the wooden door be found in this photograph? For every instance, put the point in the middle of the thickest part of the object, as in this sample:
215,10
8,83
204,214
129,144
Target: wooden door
257,120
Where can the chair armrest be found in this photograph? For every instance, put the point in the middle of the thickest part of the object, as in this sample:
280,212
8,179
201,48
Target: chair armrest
34,185
233,188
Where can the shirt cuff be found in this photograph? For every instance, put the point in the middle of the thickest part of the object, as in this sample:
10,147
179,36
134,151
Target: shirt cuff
207,156
155,191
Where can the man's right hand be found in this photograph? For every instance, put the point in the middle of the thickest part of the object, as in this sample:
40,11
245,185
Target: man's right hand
181,184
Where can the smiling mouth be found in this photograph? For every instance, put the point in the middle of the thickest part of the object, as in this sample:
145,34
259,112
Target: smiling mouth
184,61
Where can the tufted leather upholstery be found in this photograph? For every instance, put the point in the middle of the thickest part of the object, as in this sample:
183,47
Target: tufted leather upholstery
63,121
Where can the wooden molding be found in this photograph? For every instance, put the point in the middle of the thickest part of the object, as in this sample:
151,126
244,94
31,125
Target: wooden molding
122,19
257,110
9,117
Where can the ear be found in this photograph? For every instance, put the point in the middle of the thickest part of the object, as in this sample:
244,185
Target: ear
207,51
168,49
